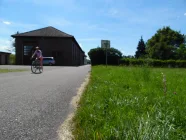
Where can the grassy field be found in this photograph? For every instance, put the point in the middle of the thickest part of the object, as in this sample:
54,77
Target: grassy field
125,103
11,70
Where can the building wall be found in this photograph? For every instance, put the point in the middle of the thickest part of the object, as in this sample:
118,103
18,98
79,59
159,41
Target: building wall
18,50
21,59
4,59
77,55
59,48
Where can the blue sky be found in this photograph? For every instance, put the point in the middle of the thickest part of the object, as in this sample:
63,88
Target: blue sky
120,21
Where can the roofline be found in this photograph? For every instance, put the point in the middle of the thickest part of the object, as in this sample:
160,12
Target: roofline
43,36
78,45
5,52
18,35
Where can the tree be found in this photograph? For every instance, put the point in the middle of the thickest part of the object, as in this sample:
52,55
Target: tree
181,52
98,56
164,43
141,49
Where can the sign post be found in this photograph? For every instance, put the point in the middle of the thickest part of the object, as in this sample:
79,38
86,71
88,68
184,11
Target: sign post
105,44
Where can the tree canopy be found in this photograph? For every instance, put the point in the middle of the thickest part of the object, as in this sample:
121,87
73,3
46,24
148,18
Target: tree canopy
164,43
98,56
140,49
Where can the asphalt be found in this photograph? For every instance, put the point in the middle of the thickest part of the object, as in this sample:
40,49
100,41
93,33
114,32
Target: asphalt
33,106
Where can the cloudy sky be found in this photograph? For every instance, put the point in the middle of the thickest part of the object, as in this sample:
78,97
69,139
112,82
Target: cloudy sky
120,21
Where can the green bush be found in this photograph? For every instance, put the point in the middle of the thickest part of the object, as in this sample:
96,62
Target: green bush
153,63
12,59
98,56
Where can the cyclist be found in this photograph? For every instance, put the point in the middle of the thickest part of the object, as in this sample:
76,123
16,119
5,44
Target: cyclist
39,56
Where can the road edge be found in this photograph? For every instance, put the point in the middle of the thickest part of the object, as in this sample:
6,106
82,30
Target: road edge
65,130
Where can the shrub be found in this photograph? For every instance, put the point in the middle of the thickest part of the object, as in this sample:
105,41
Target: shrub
98,56
153,62
12,59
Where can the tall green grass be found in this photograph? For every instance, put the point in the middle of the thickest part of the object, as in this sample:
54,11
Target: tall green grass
123,103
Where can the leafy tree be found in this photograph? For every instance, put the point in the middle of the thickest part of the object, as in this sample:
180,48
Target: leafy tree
181,52
141,49
98,56
164,43
128,56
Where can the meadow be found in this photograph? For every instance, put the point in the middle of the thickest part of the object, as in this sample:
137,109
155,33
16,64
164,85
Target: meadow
125,103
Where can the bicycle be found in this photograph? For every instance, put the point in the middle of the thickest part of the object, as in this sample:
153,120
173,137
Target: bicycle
35,66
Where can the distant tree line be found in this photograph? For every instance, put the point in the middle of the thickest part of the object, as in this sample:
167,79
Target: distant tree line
165,44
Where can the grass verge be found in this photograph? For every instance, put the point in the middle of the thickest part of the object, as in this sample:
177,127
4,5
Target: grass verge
122,103
11,70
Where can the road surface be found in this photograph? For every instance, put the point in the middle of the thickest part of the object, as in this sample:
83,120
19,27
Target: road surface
33,106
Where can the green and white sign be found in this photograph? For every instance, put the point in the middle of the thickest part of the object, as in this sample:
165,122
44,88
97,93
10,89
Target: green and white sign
105,43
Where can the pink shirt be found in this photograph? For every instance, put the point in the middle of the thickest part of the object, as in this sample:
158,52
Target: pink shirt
38,53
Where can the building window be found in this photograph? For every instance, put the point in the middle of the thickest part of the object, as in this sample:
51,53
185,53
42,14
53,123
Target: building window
27,49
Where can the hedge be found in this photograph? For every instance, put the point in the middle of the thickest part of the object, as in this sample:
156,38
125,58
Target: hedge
153,63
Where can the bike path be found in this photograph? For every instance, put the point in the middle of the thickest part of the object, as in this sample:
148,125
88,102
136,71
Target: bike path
33,106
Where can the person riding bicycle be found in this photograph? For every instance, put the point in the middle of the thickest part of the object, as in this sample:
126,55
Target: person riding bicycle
39,56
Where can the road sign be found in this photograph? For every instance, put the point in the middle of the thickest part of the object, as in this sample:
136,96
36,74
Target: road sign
105,43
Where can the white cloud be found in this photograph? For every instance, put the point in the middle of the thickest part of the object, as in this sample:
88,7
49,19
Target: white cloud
184,14
16,25
7,22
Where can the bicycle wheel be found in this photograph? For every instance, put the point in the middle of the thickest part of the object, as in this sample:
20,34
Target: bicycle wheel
35,67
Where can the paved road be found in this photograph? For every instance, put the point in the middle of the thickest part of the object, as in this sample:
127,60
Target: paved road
33,106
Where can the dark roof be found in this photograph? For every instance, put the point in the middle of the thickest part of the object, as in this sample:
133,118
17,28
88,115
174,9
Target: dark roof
4,52
46,32
43,32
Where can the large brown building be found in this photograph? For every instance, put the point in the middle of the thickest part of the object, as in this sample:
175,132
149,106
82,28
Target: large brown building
53,43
